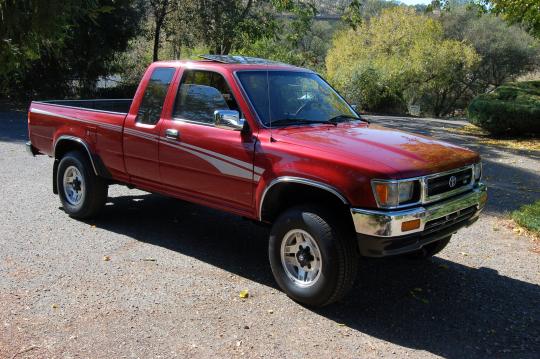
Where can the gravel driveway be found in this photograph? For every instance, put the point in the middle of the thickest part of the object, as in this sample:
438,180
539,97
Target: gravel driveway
170,285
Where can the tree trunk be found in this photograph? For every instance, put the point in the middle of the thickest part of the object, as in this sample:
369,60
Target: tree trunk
157,33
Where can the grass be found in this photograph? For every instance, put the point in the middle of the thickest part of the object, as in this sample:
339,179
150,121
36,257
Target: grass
484,138
528,217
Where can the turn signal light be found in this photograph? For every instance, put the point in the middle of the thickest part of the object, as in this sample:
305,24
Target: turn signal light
382,192
410,225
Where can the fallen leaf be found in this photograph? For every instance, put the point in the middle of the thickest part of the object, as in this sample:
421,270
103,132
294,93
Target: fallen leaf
149,259
270,311
54,306
106,258
244,294
463,254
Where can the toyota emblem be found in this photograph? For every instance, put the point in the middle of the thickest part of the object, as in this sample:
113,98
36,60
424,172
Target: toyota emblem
452,181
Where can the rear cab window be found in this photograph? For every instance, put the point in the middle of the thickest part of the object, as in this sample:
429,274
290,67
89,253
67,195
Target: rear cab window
154,95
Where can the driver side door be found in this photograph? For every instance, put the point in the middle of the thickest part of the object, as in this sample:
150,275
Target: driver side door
197,159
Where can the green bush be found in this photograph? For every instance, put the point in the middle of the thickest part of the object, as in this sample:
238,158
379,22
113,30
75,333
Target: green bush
529,217
511,109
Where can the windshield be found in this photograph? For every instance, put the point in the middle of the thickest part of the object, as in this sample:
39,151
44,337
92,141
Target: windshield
295,98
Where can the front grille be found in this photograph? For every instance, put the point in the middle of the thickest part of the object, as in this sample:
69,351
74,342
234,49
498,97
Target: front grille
441,184
449,220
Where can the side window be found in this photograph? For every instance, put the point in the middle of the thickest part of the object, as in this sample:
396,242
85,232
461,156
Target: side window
200,94
154,95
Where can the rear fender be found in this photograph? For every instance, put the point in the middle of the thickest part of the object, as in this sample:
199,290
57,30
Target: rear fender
65,144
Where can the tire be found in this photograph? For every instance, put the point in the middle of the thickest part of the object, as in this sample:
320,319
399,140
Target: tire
429,250
76,177
303,234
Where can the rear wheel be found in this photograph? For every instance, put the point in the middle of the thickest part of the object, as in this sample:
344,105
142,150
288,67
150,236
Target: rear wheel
81,192
313,255
429,250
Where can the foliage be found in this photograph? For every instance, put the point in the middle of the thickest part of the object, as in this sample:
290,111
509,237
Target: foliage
374,8
300,41
385,55
528,217
408,58
352,15
309,50
524,12
93,33
26,26
369,87
512,109
506,51
159,9
223,24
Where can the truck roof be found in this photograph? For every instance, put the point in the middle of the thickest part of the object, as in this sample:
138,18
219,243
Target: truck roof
233,63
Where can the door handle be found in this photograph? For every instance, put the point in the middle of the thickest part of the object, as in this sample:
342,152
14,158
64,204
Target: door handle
171,133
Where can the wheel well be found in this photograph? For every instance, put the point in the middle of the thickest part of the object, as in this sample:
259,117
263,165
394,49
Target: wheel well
285,195
64,146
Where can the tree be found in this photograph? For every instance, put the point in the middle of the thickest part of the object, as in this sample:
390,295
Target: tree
301,40
506,51
525,12
26,26
160,9
352,15
92,34
221,22
403,56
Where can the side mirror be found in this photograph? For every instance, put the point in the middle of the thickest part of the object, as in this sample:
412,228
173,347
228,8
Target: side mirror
228,119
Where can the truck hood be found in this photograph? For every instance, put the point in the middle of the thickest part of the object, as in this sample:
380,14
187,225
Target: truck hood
400,154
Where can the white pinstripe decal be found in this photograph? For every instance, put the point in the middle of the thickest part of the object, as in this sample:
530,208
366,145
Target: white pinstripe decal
246,165
108,126
225,164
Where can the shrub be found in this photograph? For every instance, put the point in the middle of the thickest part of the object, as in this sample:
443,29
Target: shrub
511,109
367,87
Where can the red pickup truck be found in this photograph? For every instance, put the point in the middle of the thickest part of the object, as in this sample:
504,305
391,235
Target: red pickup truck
274,143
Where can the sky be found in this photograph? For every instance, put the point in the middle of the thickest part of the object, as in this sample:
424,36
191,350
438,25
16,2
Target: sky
414,2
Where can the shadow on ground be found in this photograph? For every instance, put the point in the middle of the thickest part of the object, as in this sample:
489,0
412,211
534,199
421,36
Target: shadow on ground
438,306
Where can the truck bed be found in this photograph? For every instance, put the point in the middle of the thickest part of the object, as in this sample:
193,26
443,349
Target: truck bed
99,123
108,105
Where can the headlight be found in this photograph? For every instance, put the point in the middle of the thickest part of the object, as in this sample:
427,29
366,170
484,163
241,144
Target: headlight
392,194
477,171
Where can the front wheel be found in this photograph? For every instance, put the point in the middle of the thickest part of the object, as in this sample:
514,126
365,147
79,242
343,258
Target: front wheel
82,193
313,255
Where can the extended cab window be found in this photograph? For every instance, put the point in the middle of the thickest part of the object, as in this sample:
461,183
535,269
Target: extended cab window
200,94
154,95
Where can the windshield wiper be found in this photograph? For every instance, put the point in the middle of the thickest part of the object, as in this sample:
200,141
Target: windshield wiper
298,121
343,118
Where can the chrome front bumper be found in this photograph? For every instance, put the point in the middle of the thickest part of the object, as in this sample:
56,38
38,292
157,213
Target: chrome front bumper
385,224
